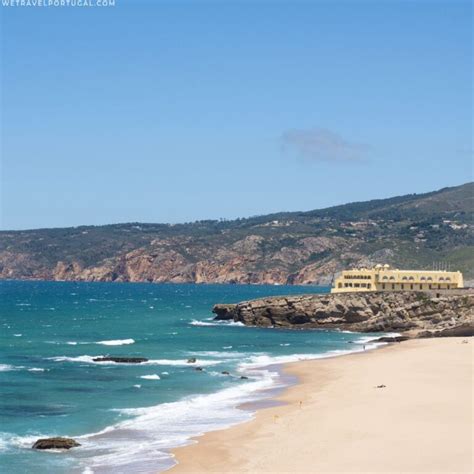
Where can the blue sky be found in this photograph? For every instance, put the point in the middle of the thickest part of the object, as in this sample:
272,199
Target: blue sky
172,111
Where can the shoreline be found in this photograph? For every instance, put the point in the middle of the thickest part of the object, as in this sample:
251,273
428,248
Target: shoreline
420,420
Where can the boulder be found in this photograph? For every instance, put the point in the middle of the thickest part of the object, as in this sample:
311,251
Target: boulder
224,311
191,360
55,443
391,339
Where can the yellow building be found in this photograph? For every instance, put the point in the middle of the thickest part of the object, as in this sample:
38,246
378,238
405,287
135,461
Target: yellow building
384,278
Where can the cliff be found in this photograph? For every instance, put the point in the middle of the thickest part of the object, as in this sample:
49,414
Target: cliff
413,313
286,248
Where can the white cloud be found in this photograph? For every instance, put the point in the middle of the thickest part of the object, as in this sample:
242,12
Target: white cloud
319,144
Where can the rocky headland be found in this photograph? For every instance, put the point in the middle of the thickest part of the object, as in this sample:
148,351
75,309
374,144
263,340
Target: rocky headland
416,314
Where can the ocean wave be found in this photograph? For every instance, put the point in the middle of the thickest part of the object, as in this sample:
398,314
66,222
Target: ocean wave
151,377
223,354
36,369
168,425
162,427
172,362
195,322
182,362
6,367
116,342
367,339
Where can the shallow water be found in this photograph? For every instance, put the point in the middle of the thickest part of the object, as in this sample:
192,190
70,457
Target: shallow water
126,417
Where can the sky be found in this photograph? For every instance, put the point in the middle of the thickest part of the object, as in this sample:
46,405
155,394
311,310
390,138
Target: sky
175,111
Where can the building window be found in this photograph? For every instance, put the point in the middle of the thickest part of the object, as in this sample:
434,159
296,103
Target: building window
411,287
393,286
429,286
403,286
339,285
383,286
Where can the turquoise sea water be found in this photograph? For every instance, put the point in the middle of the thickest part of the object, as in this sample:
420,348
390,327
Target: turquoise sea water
126,417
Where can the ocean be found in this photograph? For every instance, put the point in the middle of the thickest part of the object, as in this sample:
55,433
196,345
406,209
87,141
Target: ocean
128,416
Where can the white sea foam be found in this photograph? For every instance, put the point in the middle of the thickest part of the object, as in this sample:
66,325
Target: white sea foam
151,377
116,342
159,428
182,362
172,362
223,354
6,367
175,423
83,358
36,369
195,322
18,335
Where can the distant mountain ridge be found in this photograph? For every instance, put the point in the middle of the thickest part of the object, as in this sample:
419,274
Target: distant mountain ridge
413,231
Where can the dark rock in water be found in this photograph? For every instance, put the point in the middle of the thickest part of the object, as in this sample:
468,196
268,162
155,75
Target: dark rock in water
192,360
199,369
243,377
224,372
391,339
122,360
223,311
55,443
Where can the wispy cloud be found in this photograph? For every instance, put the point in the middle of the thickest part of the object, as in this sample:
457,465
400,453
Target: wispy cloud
319,144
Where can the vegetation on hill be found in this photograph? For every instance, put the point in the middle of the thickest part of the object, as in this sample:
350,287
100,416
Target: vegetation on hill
415,231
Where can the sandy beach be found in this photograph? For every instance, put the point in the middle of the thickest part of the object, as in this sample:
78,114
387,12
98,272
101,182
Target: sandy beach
336,419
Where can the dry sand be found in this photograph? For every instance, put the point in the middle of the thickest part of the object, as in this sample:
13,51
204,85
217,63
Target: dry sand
336,420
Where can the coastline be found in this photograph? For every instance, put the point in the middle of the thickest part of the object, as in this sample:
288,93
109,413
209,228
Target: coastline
335,419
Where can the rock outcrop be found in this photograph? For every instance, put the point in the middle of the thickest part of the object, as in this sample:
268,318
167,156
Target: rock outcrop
407,312
121,360
55,443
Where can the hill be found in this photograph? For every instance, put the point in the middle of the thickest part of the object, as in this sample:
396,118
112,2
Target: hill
291,247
